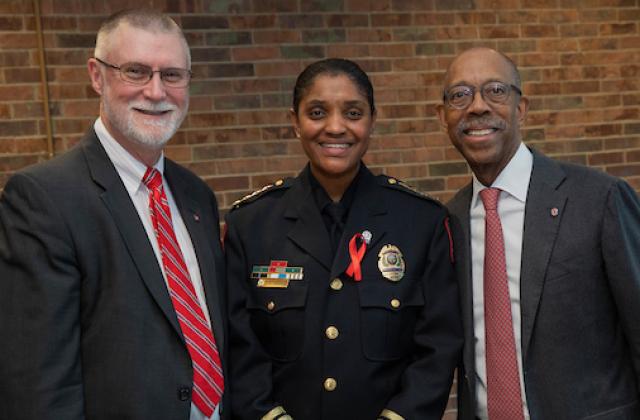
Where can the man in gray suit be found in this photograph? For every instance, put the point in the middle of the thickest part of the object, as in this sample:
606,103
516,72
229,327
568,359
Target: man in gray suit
550,280
111,269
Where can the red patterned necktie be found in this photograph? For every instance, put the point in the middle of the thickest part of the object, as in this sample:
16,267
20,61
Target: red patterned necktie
207,374
504,400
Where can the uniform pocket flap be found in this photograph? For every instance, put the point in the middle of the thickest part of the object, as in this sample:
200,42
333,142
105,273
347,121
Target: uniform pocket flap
276,300
390,295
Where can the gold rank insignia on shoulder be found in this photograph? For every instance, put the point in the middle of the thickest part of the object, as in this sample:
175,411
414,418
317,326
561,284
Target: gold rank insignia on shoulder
390,263
401,185
256,193
276,275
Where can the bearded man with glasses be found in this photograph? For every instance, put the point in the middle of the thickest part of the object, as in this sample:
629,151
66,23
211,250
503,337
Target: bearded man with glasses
111,269
547,258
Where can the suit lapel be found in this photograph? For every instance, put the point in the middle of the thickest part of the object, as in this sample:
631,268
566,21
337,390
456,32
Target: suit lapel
367,207
210,261
308,231
459,208
540,230
128,222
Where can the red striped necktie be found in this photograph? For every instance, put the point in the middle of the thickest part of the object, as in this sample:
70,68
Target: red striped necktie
504,399
207,372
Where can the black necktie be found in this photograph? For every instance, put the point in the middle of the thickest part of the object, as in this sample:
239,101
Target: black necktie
336,213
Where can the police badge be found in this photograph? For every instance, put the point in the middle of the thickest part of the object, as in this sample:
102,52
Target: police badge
391,263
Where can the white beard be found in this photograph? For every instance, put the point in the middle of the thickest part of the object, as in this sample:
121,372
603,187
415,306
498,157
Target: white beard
146,132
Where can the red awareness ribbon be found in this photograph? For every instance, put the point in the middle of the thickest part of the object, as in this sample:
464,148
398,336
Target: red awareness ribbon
356,255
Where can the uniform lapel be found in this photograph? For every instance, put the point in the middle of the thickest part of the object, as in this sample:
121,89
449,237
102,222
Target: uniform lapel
308,231
543,213
128,222
210,260
365,214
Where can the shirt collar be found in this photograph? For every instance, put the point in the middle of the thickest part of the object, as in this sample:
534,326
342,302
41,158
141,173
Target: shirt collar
130,169
322,198
514,178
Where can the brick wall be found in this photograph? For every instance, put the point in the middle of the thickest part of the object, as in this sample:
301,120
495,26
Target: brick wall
580,62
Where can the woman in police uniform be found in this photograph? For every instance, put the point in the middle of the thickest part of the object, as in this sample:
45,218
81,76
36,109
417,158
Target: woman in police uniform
342,301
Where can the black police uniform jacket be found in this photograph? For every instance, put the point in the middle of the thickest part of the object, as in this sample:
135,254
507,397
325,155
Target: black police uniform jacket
326,346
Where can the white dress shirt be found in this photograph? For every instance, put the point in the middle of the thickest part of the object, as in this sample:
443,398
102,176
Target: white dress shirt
514,183
131,171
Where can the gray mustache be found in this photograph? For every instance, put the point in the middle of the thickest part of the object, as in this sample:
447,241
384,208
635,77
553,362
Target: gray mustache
483,121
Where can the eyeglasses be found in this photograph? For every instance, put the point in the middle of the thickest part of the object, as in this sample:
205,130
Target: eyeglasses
460,97
139,74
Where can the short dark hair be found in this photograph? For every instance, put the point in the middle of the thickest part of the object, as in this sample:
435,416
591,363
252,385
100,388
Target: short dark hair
333,67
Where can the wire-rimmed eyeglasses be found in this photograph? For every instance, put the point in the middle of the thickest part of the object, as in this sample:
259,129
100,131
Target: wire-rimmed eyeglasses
140,74
494,92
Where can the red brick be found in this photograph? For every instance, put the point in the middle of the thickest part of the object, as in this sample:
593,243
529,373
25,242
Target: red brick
255,85
369,35
227,183
237,102
22,75
540,31
407,172
413,64
557,16
214,119
178,153
497,4
390,19
600,101
622,170
598,44
618,28
434,18
277,37
50,23
66,57
304,21
580,87
17,93
68,74
263,117
346,20
348,50
557,45
392,50
368,5
274,6
459,32
278,69
16,6
18,41
598,15
578,30
252,21
255,53
605,158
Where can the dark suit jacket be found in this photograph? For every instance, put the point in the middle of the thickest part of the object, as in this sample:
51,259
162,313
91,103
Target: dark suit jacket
397,357
87,328
580,295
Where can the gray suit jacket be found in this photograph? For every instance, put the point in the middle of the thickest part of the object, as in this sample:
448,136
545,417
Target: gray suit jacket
580,295
87,327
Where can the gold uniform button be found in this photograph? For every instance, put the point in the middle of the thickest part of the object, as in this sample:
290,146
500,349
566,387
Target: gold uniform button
330,384
279,182
393,181
332,333
395,303
336,284
271,305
